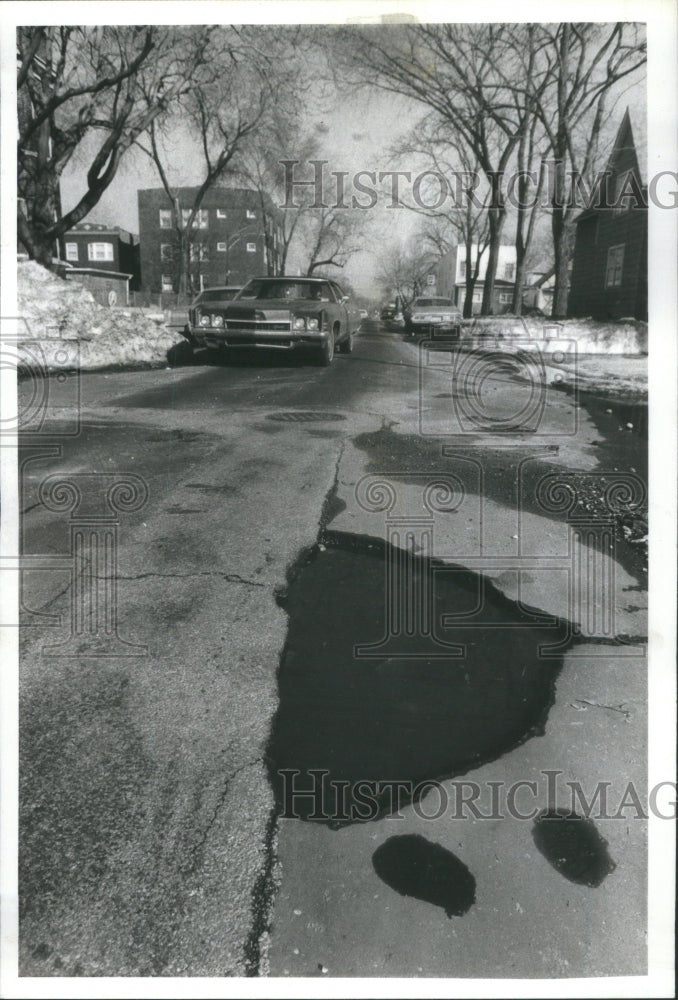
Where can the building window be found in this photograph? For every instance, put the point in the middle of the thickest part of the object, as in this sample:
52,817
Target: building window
509,271
221,248
200,221
615,264
221,213
251,214
505,298
199,252
166,252
462,268
477,297
167,283
100,251
251,248
165,216
72,251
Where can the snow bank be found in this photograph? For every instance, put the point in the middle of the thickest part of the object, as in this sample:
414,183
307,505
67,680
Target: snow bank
71,329
581,336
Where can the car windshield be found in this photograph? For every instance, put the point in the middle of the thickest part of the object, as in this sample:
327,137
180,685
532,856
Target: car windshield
218,294
433,302
312,291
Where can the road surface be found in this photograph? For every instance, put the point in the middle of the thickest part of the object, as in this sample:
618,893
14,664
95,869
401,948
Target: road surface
241,575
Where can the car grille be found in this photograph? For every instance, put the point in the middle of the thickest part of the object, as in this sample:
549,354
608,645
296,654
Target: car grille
257,325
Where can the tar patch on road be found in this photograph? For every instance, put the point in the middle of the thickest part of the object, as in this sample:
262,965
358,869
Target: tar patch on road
344,720
414,866
573,846
305,417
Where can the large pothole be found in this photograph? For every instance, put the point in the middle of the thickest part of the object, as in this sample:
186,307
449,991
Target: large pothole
363,704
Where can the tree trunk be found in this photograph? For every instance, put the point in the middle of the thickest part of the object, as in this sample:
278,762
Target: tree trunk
496,218
40,191
185,257
468,294
561,251
517,303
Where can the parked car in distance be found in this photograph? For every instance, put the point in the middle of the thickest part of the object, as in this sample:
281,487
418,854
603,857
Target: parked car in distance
364,314
388,312
430,315
284,313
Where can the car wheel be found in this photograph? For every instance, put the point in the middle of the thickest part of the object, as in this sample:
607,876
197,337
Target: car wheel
327,350
346,346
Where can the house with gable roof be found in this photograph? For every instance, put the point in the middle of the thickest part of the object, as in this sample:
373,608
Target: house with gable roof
609,264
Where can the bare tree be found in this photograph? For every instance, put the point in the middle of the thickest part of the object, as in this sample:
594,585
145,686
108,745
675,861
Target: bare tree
462,219
327,237
583,63
261,168
403,271
79,85
237,98
459,72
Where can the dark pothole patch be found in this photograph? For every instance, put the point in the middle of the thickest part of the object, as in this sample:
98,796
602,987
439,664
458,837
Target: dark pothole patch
416,867
573,846
305,417
410,711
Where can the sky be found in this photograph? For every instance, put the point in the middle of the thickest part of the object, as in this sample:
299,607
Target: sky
357,132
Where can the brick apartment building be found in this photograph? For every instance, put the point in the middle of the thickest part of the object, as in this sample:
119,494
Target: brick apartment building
236,237
90,246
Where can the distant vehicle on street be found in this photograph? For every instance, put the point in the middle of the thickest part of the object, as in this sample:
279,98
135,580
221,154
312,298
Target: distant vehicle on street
283,313
388,312
429,315
364,314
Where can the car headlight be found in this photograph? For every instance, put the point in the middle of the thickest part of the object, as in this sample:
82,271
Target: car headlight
298,323
217,320
204,321
311,322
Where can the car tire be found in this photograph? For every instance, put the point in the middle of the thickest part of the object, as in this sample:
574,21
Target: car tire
327,350
346,346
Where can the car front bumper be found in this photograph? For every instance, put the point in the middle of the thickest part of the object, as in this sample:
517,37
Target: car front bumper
451,331
282,340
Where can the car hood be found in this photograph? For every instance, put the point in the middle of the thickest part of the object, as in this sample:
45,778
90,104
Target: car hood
272,308
435,310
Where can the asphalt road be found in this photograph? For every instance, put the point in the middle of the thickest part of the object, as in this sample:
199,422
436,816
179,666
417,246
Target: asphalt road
250,605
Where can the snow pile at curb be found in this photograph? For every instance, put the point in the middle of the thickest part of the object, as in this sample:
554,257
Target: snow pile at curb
615,377
62,326
586,336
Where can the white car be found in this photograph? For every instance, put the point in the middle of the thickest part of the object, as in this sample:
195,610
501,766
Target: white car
429,315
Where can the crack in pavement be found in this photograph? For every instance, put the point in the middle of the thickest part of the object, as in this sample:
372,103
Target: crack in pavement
265,887
230,577
192,864
332,505
263,896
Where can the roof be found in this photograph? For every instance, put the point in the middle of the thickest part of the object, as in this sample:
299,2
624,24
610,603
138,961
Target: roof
214,196
99,229
291,277
631,135
97,272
